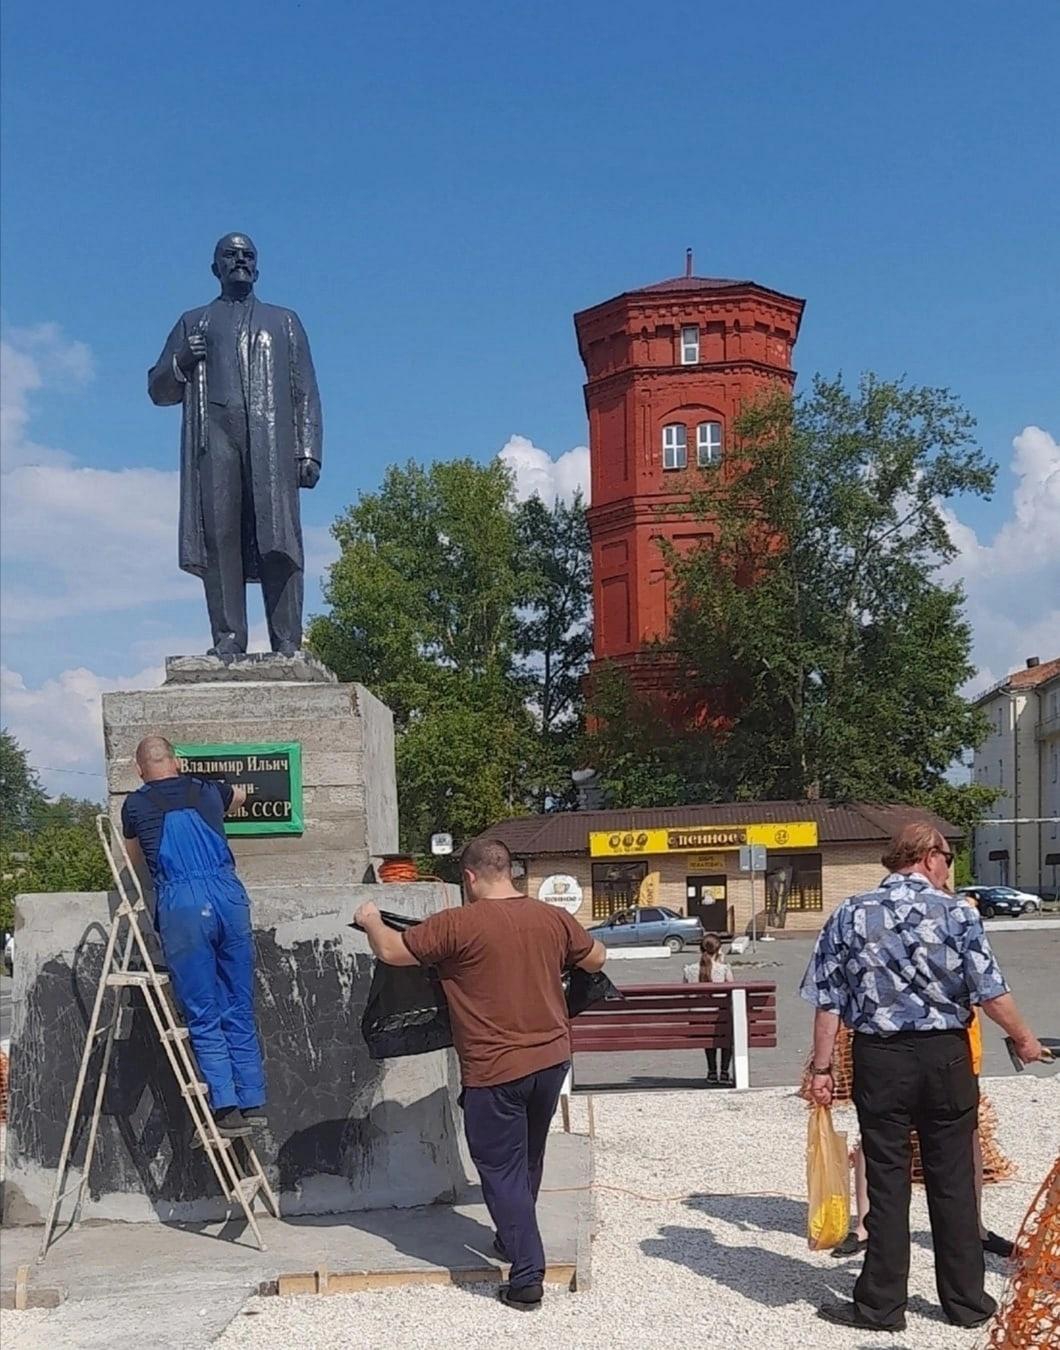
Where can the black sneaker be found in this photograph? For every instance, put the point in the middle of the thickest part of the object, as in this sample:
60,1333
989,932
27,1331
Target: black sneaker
256,1116
998,1246
230,1123
851,1245
527,1298
847,1315
712,1080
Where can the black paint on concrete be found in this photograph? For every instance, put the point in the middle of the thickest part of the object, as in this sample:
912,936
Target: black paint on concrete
328,1117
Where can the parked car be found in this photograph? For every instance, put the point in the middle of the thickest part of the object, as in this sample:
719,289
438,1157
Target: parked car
994,900
650,927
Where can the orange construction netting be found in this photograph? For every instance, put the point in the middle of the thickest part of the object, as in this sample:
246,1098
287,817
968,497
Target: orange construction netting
1029,1317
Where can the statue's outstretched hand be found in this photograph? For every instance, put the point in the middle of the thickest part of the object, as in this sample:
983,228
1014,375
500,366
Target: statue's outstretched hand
308,473
192,352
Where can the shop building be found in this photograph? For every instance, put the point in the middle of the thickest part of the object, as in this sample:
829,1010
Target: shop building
688,859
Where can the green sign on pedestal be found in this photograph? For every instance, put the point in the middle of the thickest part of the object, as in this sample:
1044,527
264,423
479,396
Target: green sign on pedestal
271,774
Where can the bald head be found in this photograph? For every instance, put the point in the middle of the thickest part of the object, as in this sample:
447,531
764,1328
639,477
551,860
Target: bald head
156,758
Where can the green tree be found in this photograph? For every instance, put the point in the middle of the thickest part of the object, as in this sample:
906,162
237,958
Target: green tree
554,638
44,845
468,614
815,630
423,604
22,798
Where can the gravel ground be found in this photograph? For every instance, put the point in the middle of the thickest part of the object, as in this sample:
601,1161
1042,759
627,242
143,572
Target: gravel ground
717,1254
710,1248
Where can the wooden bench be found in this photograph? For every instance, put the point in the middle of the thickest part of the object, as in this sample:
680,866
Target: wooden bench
739,1017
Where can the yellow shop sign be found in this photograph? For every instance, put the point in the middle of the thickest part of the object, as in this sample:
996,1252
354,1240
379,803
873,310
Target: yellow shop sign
701,838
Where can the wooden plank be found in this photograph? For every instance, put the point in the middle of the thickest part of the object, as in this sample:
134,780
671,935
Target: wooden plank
700,1018
361,1281
638,1043
632,991
655,1029
627,1039
645,1006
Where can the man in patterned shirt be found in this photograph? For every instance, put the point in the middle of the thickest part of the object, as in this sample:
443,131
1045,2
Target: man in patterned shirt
902,966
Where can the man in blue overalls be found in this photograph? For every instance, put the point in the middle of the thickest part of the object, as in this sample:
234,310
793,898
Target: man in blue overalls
176,825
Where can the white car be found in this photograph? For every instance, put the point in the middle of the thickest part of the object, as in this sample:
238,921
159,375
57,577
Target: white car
994,900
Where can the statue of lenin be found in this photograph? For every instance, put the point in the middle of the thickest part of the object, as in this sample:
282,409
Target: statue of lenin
251,437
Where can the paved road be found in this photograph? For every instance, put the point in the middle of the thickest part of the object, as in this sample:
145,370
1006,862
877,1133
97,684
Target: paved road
1030,960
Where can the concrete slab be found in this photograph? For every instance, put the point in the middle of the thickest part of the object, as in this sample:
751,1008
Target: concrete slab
124,1281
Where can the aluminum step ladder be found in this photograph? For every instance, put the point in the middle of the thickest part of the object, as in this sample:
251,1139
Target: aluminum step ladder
234,1161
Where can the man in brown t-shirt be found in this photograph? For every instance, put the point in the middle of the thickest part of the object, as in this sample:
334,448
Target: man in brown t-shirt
501,960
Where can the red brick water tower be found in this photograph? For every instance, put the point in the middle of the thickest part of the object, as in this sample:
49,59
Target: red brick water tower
668,367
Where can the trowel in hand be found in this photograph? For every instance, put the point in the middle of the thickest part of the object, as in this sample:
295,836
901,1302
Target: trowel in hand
1048,1063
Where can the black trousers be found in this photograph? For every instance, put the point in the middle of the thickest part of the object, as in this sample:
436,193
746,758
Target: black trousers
228,530
507,1130
923,1081
712,1061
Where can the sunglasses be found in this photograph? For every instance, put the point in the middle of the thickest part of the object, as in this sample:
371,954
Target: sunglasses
947,855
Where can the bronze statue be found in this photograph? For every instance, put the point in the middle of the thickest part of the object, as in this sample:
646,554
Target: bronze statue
251,437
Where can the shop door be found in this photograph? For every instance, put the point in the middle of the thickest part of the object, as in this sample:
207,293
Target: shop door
706,900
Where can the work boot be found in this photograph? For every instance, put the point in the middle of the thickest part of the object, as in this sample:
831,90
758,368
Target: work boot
527,1298
256,1116
230,1123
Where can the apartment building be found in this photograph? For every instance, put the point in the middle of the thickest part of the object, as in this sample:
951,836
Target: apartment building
1021,756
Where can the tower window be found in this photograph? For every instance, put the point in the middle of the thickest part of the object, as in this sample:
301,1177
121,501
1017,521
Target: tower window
689,346
708,445
675,446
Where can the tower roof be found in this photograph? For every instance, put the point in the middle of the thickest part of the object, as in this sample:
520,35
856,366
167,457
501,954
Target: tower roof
689,286
687,283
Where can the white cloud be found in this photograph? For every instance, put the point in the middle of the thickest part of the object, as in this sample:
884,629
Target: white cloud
537,474
30,358
80,540
1013,580
74,540
59,723
321,550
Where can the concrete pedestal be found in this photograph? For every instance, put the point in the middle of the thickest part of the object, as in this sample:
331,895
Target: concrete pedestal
345,1133
347,749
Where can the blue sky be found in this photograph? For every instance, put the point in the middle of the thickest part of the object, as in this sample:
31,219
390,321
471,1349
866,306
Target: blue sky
436,189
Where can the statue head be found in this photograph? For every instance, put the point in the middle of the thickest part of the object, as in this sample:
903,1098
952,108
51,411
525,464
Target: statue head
235,263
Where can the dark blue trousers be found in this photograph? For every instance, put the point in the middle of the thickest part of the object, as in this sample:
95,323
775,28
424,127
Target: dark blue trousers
507,1130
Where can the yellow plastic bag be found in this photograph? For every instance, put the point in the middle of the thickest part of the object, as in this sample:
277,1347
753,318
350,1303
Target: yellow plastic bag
827,1182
